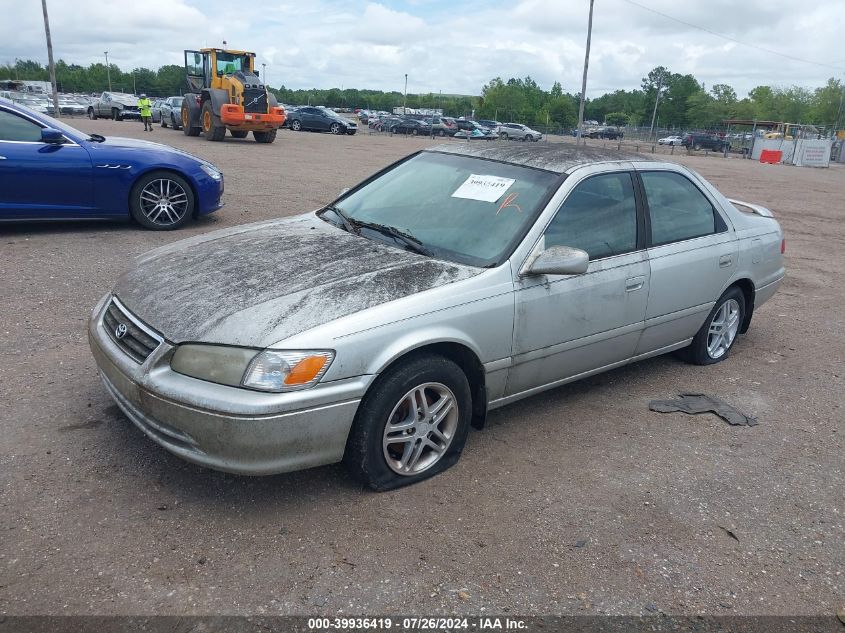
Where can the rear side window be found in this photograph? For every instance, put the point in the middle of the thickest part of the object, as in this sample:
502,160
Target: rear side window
599,216
17,128
677,208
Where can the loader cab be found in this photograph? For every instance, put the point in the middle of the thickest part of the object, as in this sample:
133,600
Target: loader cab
207,67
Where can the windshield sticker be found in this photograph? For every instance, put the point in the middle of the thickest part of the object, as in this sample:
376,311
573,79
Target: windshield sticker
483,188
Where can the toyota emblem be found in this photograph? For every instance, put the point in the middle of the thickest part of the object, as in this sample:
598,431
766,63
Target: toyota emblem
120,330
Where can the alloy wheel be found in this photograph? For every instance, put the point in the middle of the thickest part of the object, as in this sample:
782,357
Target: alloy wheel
723,329
164,201
420,428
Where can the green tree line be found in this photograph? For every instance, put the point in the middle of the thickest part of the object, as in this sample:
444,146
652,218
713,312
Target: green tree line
682,101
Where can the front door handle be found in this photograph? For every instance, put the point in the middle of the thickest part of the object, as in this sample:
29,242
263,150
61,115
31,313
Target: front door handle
2,158
725,261
634,283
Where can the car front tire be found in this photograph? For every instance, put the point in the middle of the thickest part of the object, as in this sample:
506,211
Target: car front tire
161,201
411,425
717,336
91,114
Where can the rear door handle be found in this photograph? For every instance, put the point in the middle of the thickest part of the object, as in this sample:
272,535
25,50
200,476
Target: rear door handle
634,283
725,261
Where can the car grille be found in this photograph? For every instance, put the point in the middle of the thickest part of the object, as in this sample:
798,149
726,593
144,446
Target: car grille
128,333
255,101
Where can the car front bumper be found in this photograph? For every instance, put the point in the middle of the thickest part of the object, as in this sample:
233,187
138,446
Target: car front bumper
226,428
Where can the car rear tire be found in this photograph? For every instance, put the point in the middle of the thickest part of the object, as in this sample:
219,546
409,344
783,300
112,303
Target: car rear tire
296,125
91,114
264,137
717,336
412,423
212,127
239,133
161,201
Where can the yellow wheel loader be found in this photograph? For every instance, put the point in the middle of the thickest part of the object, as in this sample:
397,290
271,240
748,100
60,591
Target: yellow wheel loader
225,93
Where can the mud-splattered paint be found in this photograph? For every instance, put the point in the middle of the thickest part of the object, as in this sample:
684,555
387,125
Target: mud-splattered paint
258,284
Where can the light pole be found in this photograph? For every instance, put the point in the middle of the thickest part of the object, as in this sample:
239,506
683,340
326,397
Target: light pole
584,80
108,70
405,98
50,59
264,72
656,101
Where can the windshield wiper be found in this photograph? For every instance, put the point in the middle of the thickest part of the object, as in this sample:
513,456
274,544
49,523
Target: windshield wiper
347,222
96,138
410,242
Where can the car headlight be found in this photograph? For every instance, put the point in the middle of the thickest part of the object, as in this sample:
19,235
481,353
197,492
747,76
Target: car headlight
211,171
267,370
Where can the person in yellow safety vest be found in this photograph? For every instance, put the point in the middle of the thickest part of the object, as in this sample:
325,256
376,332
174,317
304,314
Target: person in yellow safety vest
146,108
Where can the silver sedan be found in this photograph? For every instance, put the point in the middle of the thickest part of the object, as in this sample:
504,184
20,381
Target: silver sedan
378,329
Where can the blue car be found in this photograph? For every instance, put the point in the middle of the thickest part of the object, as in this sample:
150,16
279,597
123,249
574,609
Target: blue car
51,171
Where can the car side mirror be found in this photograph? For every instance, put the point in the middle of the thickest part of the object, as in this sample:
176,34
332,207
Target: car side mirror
560,260
52,136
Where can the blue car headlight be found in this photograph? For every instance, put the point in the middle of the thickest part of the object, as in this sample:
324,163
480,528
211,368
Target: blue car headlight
212,171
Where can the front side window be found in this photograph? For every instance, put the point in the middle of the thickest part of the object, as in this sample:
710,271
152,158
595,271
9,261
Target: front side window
598,216
17,128
677,208
460,208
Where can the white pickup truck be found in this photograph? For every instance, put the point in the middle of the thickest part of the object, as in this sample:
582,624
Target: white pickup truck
115,105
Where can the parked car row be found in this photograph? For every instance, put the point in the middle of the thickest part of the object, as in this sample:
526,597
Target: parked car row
69,105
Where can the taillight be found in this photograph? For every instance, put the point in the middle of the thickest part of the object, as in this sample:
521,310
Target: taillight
783,246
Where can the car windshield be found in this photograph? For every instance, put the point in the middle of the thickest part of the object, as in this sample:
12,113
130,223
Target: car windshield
459,208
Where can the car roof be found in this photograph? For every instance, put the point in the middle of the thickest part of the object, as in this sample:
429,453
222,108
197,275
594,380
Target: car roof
556,157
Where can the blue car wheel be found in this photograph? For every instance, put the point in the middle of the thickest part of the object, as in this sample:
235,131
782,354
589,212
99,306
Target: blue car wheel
162,201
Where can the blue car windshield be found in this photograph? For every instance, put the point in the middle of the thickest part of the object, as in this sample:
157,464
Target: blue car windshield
460,208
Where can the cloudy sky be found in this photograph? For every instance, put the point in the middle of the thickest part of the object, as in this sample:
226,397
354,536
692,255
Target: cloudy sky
453,46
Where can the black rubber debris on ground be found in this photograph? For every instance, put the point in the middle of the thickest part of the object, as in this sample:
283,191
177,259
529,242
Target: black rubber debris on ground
702,403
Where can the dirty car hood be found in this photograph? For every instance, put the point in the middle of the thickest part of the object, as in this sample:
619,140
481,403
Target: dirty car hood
258,284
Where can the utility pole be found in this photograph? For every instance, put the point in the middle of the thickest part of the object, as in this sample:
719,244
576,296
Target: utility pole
264,73
405,98
584,80
50,59
656,101
108,70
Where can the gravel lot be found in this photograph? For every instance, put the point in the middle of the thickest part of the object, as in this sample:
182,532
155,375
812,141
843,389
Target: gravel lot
578,501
